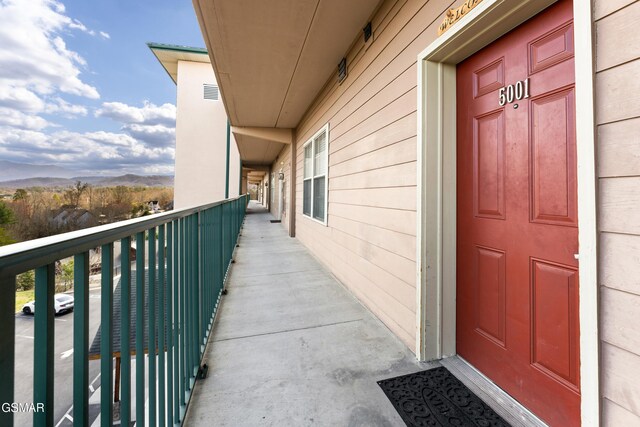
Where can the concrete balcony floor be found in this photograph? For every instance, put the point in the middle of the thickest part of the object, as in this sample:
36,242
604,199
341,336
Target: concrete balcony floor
291,346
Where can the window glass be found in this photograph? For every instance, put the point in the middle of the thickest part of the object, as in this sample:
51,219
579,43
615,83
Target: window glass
318,198
320,165
306,198
308,165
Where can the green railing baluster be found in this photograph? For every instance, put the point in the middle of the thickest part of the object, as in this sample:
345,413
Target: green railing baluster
220,248
195,289
187,297
8,340
44,330
152,344
170,323
205,273
106,337
81,339
125,331
183,271
161,326
140,329
176,322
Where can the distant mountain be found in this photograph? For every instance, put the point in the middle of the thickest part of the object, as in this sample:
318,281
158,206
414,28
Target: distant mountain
13,171
128,180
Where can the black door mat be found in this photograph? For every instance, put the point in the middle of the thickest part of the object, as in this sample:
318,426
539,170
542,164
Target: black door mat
437,398
275,221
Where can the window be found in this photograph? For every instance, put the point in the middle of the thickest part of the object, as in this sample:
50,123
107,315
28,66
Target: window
314,187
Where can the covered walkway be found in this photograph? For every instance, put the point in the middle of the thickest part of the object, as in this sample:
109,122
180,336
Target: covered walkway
292,347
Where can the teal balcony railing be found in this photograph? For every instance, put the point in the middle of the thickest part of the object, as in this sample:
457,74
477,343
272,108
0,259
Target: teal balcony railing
169,300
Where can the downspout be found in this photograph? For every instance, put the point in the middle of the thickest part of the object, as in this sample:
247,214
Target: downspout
226,186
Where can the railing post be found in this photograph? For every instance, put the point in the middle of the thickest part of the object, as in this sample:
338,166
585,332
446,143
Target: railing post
44,330
161,326
176,322
140,328
170,324
8,340
183,277
125,331
195,295
151,345
106,337
81,339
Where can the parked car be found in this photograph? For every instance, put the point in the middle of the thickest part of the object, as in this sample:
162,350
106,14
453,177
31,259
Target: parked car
62,303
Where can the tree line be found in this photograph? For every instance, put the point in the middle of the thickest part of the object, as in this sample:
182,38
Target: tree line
31,213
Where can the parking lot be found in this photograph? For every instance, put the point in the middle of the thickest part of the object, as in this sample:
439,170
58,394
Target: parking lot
63,362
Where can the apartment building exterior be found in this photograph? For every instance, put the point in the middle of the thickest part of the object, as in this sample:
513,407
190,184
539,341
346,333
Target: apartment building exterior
207,164
469,170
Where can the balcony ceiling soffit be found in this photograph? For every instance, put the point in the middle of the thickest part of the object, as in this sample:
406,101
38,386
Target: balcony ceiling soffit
272,58
283,136
256,151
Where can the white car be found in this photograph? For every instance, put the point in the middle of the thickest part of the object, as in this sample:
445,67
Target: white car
62,303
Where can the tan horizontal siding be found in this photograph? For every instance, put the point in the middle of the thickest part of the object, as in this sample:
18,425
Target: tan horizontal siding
618,93
617,116
620,328
398,175
609,51
390,219
603,8
619,372
620,205
400,152
620,262
393,51
401,198
615,415
369,242
619,149
394,131
401,244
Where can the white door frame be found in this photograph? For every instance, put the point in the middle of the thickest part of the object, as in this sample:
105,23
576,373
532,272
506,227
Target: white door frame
436,216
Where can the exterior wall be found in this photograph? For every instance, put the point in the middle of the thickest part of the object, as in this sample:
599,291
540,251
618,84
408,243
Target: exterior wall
370,240
282,164
201,132
369,243
617,112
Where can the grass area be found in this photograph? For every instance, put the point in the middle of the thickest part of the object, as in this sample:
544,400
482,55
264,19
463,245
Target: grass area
23,297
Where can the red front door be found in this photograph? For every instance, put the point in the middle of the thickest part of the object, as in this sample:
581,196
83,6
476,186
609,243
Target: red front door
517,226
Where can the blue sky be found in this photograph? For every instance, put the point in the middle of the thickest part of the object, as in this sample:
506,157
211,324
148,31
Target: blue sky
80,89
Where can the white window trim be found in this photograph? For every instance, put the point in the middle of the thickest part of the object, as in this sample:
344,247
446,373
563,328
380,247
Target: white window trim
325,128
436,209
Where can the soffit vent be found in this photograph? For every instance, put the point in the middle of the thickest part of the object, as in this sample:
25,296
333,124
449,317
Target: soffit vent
211,92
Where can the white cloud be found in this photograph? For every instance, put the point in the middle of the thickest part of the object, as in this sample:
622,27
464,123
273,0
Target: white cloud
35,62
90,151
149,113
62,107
15,118
153,124
37,71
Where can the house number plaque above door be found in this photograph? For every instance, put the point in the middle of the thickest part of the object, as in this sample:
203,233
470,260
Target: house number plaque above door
514,92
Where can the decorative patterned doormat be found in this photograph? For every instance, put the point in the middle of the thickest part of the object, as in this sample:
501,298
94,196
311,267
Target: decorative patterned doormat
437,398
